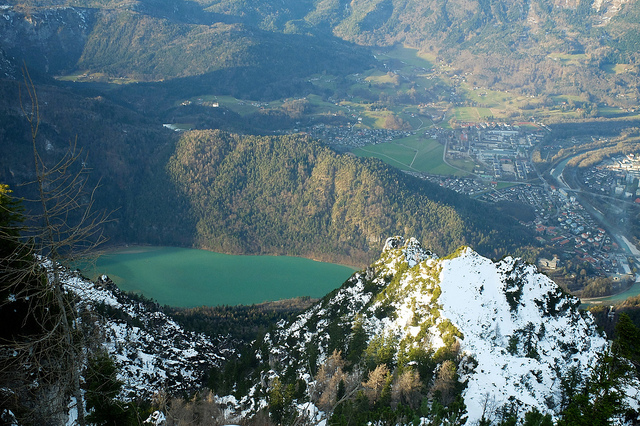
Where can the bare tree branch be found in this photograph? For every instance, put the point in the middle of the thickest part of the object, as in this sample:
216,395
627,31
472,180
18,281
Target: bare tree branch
42,354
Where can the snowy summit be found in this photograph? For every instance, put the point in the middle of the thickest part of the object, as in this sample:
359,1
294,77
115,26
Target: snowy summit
498,335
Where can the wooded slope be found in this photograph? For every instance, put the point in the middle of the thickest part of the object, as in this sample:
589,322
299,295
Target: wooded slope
291,195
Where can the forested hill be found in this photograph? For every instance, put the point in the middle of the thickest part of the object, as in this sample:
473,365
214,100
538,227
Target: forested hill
585,48
573,47
291,195
162,41
242,194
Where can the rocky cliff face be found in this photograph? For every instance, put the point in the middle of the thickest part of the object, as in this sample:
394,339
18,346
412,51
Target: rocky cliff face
607,9
48,40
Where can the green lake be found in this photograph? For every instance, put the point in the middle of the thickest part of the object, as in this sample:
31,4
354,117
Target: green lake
189,277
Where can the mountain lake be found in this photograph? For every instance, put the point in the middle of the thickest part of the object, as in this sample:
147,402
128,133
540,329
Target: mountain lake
190,277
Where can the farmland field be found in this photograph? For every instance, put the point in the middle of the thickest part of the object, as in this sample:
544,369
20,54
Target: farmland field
412,153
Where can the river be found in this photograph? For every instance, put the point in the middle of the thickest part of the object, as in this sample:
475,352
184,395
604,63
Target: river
189,277
559,169
632,291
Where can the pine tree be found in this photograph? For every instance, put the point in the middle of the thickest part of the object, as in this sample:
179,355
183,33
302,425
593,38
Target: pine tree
626,339
102,388
602,396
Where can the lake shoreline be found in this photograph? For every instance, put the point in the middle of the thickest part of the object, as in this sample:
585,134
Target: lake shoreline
122,246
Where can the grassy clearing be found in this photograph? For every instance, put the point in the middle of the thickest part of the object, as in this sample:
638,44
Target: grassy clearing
411,56
467,114
426,81
499,105
324,81
323,107
528,125
399,153
411,153
491,98
386,154
503,185
378,118
445,170
568,59
428,57
415,120
105,82
242,107
566,98
429,158
381,78
96,78
623,68
610,112
467,165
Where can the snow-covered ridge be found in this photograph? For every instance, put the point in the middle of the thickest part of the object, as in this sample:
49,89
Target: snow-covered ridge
519,328
153,352
412,250
517,331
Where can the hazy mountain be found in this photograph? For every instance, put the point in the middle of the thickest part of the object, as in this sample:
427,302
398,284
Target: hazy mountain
139,42
537,47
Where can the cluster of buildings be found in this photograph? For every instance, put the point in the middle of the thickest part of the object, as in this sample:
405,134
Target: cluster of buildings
562,222
349,137
617,177
468,186
201,102
502,151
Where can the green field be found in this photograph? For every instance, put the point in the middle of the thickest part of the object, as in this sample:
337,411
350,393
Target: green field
569,59
412,153
379,77
467,114
467,164
242,107
414,120
409,56
86,77
389,153
611,112
409,72
618,68
503,185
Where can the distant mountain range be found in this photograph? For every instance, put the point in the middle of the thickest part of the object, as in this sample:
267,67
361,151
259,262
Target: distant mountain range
139,43
541,47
